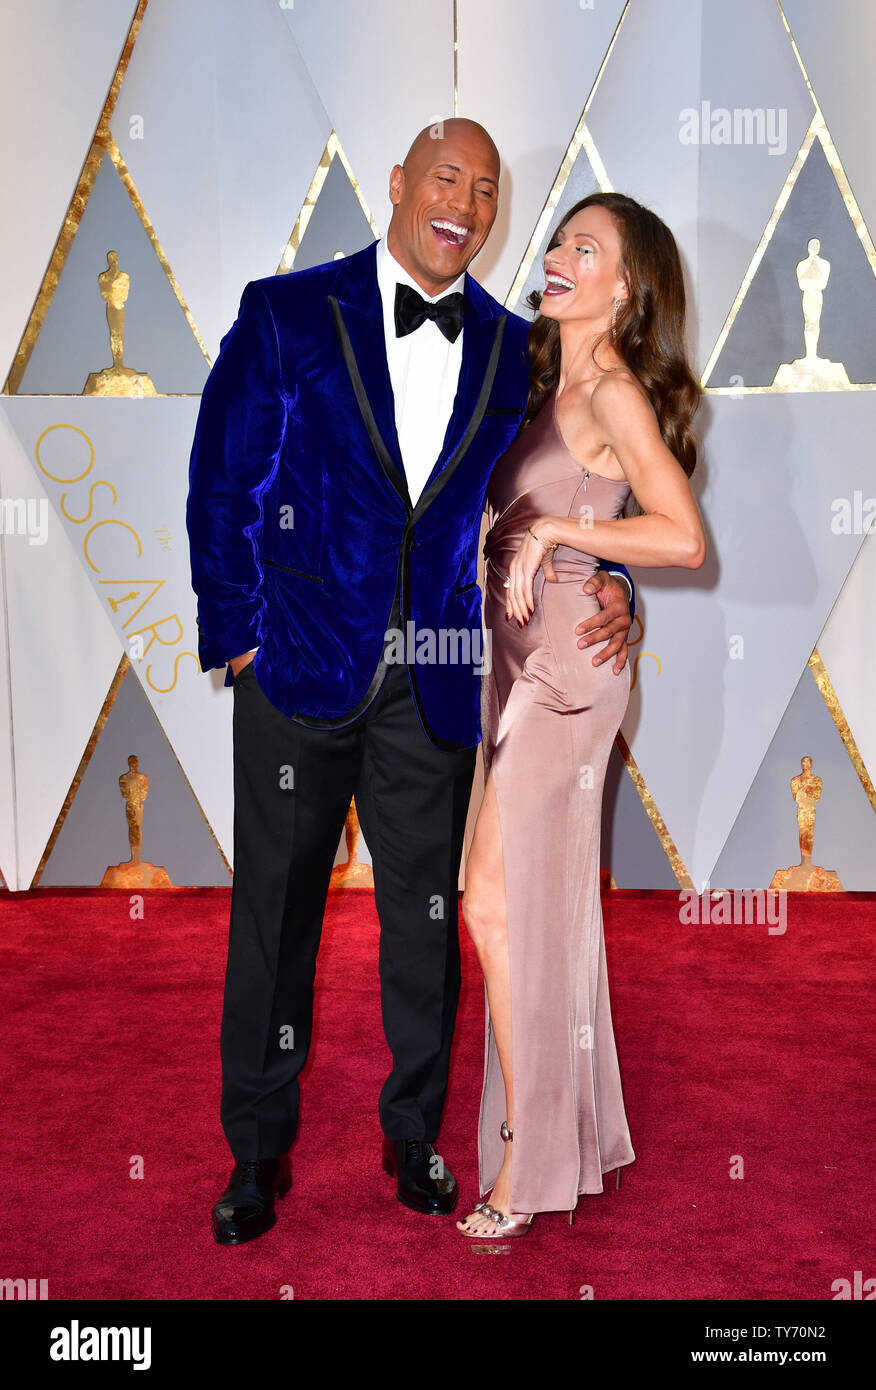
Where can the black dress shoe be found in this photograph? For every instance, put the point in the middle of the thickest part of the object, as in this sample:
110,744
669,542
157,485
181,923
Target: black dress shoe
424,1184
246,1208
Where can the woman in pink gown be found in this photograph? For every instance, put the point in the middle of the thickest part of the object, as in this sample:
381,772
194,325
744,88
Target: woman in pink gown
609,412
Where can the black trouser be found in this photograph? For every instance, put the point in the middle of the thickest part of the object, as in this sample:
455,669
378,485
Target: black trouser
292,789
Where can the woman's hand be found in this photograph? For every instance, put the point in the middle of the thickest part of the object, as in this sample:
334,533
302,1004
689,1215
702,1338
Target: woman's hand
535,553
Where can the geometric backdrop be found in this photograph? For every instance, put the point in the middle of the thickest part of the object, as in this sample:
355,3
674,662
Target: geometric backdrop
209,144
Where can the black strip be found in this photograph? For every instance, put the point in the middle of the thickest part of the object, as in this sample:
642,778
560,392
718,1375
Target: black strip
289,570
387,462
474,424
341,720
446,744
428,496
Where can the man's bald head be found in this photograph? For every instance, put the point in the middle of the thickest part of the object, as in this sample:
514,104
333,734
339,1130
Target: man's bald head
444,200
423,145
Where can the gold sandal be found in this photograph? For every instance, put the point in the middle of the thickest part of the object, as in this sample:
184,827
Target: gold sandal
510,1224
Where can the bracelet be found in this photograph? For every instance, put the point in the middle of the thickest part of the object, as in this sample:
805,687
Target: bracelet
540,541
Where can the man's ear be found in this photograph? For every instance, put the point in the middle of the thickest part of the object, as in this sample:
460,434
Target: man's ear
396,184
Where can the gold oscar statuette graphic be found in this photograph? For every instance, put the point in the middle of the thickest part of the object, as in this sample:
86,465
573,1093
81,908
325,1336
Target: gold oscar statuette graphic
812,373
806,877
135,872
353,874
117,380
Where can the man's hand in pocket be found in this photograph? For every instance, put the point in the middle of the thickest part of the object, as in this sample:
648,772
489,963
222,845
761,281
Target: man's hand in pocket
238,662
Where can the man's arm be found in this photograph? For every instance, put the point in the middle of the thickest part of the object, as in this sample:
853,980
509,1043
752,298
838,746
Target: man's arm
238,436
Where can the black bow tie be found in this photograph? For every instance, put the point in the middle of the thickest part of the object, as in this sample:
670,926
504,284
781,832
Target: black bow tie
411,309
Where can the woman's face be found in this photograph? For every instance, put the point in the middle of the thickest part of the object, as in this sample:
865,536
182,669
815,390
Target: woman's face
581,269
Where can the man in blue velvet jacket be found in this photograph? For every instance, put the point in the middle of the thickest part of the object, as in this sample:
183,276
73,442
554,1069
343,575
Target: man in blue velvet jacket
345,438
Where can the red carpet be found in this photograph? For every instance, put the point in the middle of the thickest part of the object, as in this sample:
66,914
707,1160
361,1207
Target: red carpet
731,1042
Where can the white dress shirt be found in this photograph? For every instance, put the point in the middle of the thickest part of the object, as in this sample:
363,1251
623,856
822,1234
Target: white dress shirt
424,372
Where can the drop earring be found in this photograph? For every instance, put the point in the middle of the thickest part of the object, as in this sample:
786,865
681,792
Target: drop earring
615,307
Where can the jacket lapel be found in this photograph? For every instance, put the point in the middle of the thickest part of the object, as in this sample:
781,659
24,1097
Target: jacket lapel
481,343
358,314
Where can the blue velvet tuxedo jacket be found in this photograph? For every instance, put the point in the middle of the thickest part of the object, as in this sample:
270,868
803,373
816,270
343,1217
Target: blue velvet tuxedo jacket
302,535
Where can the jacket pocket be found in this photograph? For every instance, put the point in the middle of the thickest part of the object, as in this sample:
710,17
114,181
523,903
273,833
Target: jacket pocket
316,579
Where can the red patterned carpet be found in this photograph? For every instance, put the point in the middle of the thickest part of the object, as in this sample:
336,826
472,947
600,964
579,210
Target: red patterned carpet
732,1042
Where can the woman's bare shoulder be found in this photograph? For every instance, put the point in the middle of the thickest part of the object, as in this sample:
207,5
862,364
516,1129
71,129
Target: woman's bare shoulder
617,381
618,389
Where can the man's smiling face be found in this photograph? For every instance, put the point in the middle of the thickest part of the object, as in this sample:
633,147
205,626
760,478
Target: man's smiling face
444,202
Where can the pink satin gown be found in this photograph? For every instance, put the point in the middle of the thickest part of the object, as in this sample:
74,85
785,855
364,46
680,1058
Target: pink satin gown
549,720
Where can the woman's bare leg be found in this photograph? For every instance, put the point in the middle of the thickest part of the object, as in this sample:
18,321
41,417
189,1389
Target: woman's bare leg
483,907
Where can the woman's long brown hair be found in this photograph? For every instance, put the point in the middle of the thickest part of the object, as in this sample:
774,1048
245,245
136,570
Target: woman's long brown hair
649,329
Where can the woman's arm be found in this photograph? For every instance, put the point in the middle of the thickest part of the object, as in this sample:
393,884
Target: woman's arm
669,533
